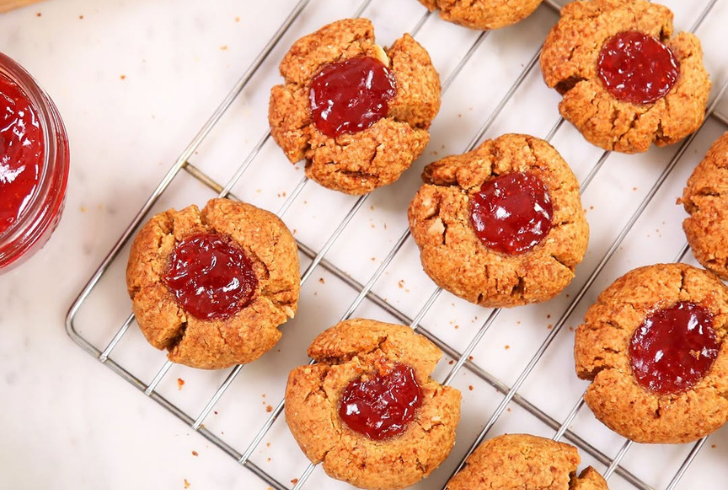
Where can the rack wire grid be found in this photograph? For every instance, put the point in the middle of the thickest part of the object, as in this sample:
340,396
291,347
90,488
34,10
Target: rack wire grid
513,366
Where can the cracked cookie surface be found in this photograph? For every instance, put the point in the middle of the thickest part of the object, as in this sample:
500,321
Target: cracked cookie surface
525,462
569,62
361,162
601,352
313,393
215,343
456,259
705,199
483,14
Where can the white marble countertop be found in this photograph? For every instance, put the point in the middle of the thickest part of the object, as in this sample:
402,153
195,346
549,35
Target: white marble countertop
134,81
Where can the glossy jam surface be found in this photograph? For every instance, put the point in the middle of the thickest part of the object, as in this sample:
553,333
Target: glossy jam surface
350,96
381,405
210,277
512,213
674,348
637,68
21,152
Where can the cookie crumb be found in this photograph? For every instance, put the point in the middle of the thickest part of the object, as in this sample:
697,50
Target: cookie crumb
294,481
180,383
237,19
187,484
195,453
321,280
508,346
80,17
470,387
269,409
223,48
38,14
122,77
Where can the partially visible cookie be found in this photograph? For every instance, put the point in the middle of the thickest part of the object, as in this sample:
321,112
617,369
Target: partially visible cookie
483,14
368,409
653,347
212,286
626,81
502,225
357,113
705,199
525,462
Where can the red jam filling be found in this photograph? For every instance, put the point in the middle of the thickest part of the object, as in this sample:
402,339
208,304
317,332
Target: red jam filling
22,151
350,96
674,348
381,405
210,277
637,68
512,213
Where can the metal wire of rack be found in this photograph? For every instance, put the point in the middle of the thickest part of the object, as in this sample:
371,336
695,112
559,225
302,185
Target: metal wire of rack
317,258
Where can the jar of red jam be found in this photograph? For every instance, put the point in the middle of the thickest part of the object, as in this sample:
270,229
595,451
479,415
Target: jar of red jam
33,165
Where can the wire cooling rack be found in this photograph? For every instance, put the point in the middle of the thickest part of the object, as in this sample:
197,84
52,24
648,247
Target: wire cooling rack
515,366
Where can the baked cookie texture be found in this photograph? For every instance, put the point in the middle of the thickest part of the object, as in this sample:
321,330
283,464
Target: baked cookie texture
343,353
705,199
215,343
355,163
525,462
483,14
569,64
601,353
456,259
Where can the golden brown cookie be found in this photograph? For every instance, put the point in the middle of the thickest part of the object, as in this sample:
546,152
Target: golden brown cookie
350,357
358,162
525,462
570,63
454,256
483,14
659,374
706,200
212,328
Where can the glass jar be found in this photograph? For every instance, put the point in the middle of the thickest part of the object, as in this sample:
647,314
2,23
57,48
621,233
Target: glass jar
31,210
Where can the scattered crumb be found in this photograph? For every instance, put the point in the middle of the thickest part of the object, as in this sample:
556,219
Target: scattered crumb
713,446
80,17
508,409
321,280
373,259
591,207
518,323
571,329
38,14
371,207
634,188
548,316
508,346
470,387
215,412
470,358
187,484
180,383
269,409
294,481
194,453
550,326
267,444
451,362
123,77
268,460
83,209
237,19
223,48
457,326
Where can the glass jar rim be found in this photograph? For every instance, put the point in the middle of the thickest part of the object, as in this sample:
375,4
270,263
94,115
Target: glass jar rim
47,200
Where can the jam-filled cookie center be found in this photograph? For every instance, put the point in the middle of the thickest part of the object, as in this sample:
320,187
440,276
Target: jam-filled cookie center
512,213
674,348
637,68
349,96
381,405
211,277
